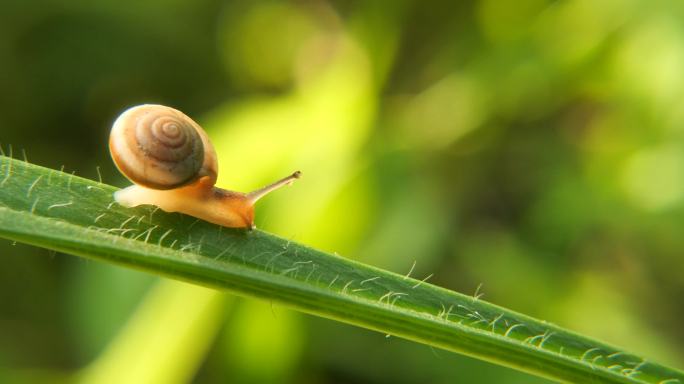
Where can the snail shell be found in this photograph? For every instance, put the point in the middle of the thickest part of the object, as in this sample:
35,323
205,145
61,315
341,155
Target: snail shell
160,147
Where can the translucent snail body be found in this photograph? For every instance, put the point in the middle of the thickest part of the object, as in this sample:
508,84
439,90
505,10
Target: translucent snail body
171,161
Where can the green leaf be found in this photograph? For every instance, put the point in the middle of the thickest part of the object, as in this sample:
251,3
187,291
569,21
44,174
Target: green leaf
63,212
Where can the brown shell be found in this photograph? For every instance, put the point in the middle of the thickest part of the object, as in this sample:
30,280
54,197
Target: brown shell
160,147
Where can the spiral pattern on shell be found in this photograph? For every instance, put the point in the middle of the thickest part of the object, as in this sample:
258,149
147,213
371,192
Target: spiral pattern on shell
158,147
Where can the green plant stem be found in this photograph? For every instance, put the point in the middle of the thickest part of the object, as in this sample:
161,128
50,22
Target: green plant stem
166,339
63,212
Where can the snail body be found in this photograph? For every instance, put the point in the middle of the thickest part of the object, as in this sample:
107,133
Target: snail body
173,165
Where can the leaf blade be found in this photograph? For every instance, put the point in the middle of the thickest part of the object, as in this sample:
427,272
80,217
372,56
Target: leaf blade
51,209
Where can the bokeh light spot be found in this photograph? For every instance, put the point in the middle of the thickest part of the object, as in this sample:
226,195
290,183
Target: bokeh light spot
654,178
649,63
507,20
442,113
260,43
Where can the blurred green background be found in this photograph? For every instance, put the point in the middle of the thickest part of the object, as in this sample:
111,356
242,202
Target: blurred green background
535,148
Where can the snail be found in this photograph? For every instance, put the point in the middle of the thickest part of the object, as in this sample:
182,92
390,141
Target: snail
173,165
